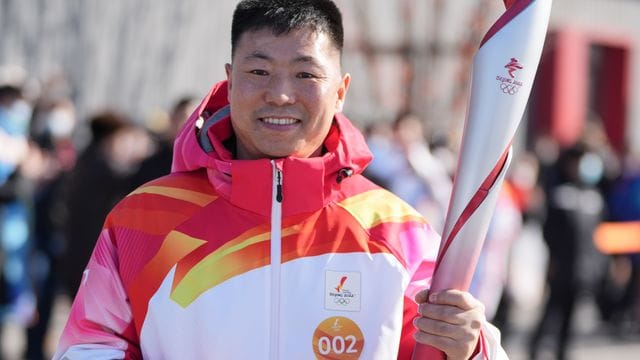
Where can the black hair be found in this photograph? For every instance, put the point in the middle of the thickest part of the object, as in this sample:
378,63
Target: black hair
182,102
568,162
282,16
105,124
9,94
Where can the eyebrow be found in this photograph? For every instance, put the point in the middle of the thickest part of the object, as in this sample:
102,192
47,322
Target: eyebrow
299,59
257,55
305,59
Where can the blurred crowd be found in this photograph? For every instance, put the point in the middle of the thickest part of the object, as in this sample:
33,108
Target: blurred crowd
60,175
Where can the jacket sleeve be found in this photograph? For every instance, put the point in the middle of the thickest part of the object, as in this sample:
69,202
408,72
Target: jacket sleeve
490,347
421,251
100,324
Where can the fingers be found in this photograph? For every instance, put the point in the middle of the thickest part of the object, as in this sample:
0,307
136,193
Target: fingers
457,298
445,313
451,306
438,342
436,328
457,341
450,321
461,299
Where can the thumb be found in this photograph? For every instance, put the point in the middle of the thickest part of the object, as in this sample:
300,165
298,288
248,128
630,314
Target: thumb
422,296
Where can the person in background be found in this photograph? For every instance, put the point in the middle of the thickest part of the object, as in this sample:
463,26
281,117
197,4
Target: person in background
619,298
574,208
385,151
98,181
265,241
426,179
159,163
403,164
18,303
52,128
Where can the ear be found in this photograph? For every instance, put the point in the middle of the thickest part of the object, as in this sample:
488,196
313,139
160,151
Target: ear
342,92
227,70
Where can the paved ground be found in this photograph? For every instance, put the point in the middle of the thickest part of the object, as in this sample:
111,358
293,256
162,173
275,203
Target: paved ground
592,341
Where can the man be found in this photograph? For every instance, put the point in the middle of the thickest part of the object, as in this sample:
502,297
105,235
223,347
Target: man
265,242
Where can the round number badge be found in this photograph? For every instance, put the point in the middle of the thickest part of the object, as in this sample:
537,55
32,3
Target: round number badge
338,338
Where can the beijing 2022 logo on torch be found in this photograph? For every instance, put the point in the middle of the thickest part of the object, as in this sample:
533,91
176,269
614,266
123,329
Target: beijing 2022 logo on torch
508,84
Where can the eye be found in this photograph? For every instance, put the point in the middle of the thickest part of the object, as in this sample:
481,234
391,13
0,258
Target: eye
306,75
259,72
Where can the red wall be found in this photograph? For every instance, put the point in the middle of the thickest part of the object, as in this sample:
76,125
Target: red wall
560,103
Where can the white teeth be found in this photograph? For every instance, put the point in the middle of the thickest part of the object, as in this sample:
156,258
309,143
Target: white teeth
279,121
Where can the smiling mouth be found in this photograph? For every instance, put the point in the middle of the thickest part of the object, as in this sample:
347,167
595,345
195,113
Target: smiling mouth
279,121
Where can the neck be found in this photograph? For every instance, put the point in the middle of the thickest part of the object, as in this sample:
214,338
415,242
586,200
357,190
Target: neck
241,154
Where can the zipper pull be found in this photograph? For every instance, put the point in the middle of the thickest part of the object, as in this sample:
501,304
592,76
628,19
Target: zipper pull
343,174
279,186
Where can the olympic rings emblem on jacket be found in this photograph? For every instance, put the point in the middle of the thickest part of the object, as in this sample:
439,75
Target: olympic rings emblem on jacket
341,301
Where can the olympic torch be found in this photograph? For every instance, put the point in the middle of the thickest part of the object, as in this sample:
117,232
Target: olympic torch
504,68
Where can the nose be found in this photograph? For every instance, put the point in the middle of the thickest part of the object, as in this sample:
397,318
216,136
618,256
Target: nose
280,91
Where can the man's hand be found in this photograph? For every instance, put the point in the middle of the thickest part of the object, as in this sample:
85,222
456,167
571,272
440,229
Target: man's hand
450,321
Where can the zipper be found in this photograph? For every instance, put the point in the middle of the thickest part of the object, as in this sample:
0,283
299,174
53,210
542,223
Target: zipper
276,251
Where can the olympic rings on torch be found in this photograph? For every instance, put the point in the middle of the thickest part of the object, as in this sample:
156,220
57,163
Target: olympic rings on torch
509,89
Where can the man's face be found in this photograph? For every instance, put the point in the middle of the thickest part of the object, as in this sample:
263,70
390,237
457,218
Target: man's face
284,91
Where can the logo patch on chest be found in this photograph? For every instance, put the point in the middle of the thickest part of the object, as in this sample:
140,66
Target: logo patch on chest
342,290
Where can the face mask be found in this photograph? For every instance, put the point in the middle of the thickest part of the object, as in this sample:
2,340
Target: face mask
60,123
14,119
590,169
